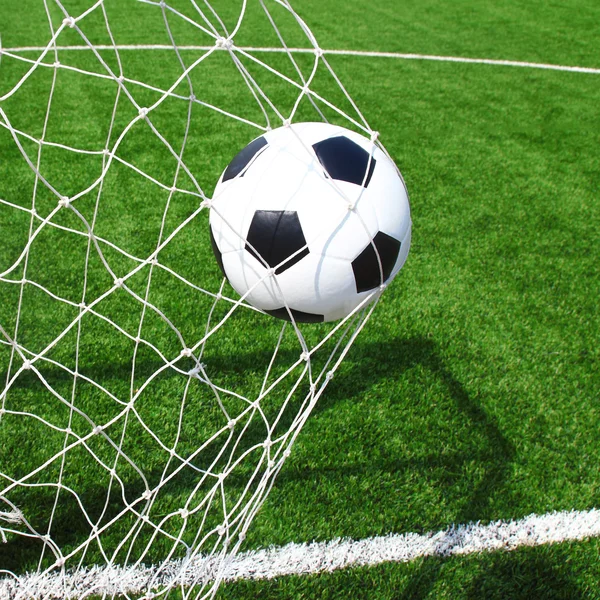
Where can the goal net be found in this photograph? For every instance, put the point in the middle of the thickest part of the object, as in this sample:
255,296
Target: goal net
145,408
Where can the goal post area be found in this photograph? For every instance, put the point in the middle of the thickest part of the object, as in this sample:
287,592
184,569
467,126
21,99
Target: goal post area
145,408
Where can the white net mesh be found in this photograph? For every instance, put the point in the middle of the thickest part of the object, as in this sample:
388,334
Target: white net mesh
145,408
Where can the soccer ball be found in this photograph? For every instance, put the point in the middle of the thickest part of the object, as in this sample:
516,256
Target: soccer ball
309,221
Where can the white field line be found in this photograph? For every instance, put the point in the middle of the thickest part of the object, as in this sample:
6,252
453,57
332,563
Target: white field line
313,558
397,55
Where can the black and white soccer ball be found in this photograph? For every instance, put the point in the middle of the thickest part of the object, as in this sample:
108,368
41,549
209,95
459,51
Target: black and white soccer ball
309,221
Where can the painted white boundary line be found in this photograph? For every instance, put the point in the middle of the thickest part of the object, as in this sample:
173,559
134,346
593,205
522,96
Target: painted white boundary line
457,59
317,557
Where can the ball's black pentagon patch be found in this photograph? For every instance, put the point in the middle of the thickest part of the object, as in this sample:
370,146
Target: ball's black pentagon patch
345,160
217,252
367,274
274,236
243,157
299,316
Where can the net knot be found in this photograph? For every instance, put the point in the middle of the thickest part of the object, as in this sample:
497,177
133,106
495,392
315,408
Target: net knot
64,202
225,43
27,364
186,352
305,355
56,64
319,52
206,203
118,282
184,513
374,135
221,529
351,206
143,112
382,287
69,22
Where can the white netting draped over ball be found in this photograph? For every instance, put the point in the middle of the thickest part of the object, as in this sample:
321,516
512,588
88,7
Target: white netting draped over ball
148,402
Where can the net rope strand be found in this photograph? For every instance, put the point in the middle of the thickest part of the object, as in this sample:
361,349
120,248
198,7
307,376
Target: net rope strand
144,520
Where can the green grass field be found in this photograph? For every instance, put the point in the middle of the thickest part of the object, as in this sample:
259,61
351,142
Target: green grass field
471,394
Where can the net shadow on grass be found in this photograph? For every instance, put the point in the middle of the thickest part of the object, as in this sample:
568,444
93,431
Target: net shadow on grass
372,363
